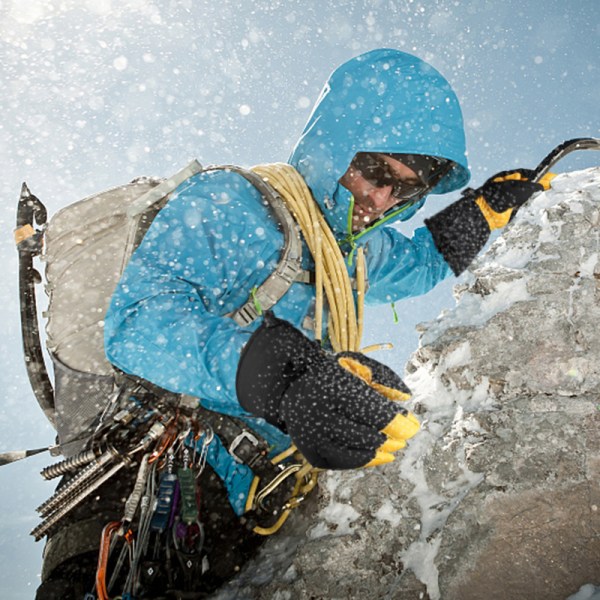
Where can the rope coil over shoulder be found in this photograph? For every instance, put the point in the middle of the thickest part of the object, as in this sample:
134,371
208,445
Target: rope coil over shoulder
345,321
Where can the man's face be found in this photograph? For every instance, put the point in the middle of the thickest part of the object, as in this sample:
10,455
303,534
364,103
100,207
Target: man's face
372,201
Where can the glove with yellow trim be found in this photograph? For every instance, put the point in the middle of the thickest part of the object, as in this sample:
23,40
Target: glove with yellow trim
341,411
462,229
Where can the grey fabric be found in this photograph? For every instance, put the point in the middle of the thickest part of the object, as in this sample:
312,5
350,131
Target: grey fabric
70,541
87,246
79,398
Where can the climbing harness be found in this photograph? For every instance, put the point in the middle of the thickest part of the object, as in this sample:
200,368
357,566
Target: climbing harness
159,441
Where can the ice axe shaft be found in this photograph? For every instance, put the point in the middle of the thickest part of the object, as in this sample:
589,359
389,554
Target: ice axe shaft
31,211
15,455
587,143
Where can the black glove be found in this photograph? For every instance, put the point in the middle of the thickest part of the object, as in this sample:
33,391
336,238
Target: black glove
340,410
505,191
462,229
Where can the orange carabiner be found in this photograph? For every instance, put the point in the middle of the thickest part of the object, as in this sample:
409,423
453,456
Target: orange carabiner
107,534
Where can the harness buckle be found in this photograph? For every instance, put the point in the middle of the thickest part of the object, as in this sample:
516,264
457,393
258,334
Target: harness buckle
244,457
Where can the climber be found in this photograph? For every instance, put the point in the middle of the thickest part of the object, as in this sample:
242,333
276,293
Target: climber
385,133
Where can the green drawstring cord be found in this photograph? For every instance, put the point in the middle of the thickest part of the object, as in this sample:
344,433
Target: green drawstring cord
353,247
349,239
349,218
396,319
255,301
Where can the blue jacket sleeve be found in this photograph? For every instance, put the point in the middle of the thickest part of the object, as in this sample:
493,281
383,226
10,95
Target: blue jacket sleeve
400,267
199,260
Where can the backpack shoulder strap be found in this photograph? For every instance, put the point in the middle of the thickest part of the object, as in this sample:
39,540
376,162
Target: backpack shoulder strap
142,210
289,268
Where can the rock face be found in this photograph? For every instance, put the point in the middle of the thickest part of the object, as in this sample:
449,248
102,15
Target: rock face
498,497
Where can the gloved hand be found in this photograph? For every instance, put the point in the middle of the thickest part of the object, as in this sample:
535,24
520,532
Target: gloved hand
341,411
462,229
502,195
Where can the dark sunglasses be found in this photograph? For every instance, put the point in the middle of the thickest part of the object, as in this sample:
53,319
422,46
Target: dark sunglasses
375,170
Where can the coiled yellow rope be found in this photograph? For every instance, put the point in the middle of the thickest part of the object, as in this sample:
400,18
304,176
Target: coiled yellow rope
345,318
345,323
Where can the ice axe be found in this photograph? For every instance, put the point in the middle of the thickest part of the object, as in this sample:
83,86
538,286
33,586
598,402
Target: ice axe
584,143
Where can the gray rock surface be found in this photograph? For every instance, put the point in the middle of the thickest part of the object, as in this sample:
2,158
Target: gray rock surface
498,497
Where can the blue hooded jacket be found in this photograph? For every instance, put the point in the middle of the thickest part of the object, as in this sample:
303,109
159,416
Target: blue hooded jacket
216,240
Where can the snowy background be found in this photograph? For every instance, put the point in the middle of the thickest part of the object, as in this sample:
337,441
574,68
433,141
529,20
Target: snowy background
96,92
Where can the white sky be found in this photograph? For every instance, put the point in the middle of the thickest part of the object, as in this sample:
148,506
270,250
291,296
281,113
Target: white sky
96,92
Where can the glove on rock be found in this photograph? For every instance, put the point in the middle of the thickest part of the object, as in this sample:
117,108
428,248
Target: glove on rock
341,411
462,229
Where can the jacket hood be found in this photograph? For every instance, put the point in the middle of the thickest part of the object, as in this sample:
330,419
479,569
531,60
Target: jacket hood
381,101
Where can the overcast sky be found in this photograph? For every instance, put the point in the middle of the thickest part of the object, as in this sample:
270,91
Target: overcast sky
96,92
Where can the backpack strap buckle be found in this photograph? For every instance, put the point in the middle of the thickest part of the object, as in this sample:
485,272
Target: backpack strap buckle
245,448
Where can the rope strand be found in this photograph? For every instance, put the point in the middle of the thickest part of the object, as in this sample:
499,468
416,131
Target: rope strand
346,315
345,323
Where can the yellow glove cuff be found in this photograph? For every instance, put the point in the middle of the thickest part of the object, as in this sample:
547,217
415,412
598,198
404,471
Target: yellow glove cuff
494,219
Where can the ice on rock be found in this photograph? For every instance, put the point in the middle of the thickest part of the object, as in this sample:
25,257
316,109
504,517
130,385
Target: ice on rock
497,496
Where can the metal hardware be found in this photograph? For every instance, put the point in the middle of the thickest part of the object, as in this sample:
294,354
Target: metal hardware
238,440
274,484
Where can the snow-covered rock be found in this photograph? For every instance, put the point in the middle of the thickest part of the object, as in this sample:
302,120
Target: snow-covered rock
498,497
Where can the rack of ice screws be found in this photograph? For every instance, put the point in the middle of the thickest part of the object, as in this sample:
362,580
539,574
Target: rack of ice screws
168,446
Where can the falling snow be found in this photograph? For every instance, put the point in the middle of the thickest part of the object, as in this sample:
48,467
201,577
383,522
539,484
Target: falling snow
97,92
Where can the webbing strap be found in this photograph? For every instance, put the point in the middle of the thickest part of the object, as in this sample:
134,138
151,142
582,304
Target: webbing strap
290,264
272,482
241,441
165,187
244,444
